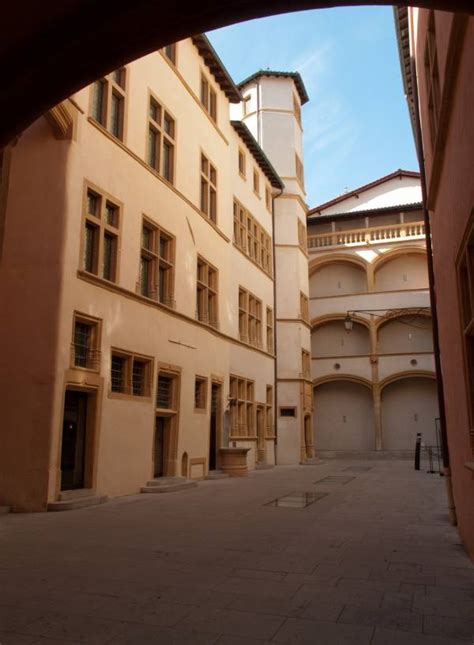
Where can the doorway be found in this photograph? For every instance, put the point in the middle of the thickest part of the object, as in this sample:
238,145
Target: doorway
260,435
214,425
159,446
73,447
308,438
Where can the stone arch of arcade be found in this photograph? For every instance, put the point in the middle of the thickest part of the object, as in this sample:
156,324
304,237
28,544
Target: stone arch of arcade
61,33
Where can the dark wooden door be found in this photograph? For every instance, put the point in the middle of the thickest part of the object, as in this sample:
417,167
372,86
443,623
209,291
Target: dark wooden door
158,457
213,426
73,440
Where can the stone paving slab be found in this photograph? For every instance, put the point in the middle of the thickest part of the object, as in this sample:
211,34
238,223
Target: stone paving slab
375,561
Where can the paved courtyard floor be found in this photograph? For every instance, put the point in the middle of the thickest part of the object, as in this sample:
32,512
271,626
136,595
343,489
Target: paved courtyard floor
375,561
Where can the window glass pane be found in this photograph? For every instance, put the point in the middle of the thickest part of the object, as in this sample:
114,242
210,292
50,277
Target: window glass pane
116,109
90,248
110,251
155,110
111,214
93,204
204,195
138,378
164,393
167,161
145,274
98,95
170,51
153,148
82,339
147,238
118,76
118,374
162,284
164,247
169,125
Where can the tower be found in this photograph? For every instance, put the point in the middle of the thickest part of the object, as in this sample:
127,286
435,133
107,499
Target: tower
272,111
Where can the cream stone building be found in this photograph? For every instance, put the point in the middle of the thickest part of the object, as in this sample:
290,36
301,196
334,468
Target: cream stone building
146,235
371,341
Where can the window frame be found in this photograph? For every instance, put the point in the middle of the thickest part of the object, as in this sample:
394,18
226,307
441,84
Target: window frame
110,88
465,286
174,57
250,237
200,399
270,326
250,318
207,293
93,362
208,188
103,230
243,407
129,359
208,97
174,374
164,139
157,262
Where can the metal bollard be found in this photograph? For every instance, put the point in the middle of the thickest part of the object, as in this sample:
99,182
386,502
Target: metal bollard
417,450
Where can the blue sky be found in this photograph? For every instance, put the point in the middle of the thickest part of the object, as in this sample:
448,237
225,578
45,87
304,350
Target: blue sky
356,124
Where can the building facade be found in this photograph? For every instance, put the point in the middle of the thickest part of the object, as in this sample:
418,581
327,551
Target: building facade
437,58
371,335
139,267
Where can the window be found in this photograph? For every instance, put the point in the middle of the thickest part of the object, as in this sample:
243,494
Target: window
242,407
270,347
206,293
287,412
242,163
250,318
256,182
85,349
108,101
269,411
268,199
433,90
167,391
299,170
101,235
304,307
306,364
466,294
200,393
208,189
130,374
170,52
302,236
252,239
157,253
161,140
208,98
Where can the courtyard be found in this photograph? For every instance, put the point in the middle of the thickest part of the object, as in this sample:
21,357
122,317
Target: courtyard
371,559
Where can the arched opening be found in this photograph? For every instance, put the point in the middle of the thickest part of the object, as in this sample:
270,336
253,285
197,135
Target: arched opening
343,416
330,339
409,405
406,334
337,279
400,272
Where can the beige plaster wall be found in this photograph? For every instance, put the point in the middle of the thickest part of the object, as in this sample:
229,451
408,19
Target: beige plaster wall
332,339
409,406
337,279
407,272
343,417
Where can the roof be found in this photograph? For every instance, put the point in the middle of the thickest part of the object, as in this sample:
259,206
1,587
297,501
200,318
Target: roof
217,67
403,39
260,157
372,212
361,189
304,98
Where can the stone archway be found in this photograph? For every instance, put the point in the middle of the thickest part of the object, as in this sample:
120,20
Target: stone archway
60,33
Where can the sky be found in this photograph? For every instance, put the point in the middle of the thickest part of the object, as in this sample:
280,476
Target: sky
356,123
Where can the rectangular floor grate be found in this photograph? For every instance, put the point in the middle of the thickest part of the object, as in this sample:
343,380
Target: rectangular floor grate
296,500
334,479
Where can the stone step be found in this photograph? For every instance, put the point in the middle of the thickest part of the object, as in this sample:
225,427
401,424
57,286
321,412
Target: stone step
4,510
166,481
168,488
74,504
314,461
263,466
217,474
66,495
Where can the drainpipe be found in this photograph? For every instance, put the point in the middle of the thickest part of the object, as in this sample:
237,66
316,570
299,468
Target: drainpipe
275,398
431,278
